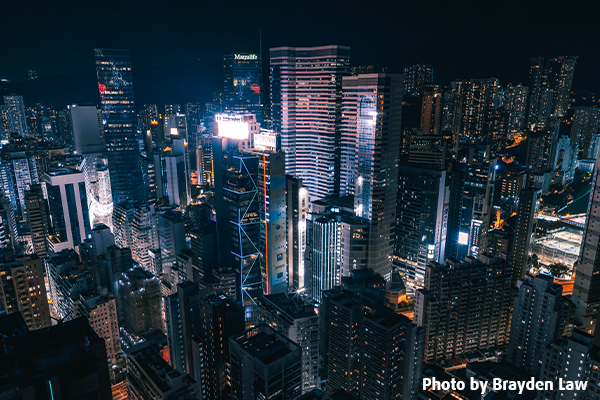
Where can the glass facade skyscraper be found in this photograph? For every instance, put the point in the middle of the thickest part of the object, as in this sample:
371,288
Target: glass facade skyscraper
306,99
115,84
242,83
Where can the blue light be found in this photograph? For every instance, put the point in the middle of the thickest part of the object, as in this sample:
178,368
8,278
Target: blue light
497,166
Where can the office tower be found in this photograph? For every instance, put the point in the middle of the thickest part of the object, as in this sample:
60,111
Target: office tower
431,110
511,183
15,115
122,218
415,76
515,102
361,342
140,298
242,83
470,208
372,112
18,171
176,127
444,306
322,256
203,243
100,309
306,99
550,83
273,219
70,221
37,219
204,160
148,114
87,128
478,97
67,279
149,376
297,210
65,361
238,218
176,176
22,288
421,221
586,123
541,315
171,233
144,234
263,363
525,226
586,289
569,359
118,112
182,312
296,319
221,318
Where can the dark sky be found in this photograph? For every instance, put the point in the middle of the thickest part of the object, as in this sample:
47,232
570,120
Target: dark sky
463,39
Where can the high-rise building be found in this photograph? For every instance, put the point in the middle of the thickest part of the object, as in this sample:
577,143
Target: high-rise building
525,226
306,99
297,320
421,221
204,160
115,84
100,309
550,82
470,207
37,219
444,307
431,110
369,350
514,99
242,83
68,208
542,148
140,298
273,221
182,312
570,359
238,218
586,123
372,112
479,97
176,175
221,318
15,114
171,233
144,235
540,316
415,75
149,376
586,289
297,210
88,128
122,219
67,360
264,363
22,289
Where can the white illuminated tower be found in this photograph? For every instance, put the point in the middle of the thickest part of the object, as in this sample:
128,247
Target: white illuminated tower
306,99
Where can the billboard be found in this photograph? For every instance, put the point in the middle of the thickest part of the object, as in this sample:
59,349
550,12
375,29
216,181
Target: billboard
232,127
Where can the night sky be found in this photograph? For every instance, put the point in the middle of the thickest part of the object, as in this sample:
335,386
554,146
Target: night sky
177,47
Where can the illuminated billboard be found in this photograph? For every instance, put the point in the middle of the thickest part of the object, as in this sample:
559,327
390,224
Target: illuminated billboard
463,238
232,127
265,141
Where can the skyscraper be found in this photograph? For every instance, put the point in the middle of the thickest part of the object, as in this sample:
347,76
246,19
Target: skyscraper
372,112
525,226
120,121
445,307
306,97
550,82
297,209
298,321
540,315
264,362
67,205
242,83
586,289
221,318
15,114
431,110
416,75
